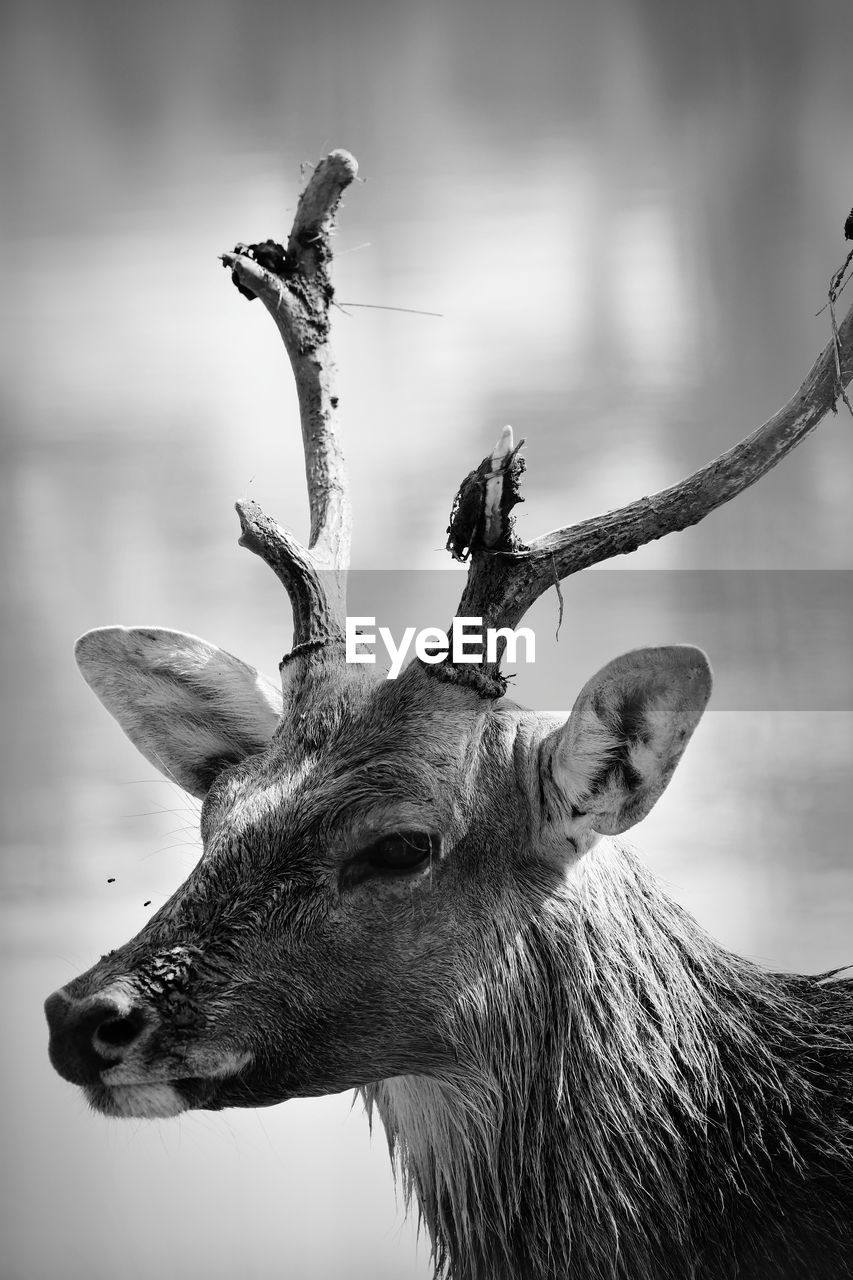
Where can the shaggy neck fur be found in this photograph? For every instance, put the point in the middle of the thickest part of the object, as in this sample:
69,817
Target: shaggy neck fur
632,1102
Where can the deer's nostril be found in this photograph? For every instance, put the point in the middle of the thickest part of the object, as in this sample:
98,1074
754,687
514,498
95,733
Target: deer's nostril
120,1031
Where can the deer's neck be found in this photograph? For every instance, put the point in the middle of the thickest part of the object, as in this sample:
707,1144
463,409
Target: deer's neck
632,1101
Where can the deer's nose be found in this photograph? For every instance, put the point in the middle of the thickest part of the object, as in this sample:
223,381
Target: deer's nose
87,1036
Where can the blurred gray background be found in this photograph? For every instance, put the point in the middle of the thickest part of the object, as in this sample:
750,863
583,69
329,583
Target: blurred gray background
626,213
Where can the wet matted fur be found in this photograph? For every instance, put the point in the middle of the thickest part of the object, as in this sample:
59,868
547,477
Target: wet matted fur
633,1102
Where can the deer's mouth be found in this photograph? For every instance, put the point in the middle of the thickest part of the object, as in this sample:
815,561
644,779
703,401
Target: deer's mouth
160,1099
127,1090
164,1098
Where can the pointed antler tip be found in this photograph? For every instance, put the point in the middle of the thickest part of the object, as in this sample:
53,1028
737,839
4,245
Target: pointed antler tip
504,444
345,161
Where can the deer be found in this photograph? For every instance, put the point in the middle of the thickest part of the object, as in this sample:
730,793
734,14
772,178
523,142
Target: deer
418,890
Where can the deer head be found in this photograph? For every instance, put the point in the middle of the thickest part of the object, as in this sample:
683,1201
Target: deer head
374,850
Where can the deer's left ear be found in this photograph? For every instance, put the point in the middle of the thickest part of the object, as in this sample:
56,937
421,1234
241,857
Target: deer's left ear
605,767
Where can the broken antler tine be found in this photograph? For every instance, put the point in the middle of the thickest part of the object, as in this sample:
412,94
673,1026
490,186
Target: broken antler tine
492,514
480,522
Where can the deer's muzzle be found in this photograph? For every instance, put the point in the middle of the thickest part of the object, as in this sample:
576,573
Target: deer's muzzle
91,1035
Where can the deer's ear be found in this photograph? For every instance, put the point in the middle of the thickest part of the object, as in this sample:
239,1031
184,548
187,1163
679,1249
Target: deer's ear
190,708
605,767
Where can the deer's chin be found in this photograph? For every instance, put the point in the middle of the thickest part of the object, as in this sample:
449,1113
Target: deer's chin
156,1101
162,1099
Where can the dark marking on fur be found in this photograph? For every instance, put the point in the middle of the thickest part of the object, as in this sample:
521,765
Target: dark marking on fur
207,773
630,719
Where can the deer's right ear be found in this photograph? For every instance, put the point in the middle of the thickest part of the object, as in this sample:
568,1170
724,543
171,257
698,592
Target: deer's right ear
603,770
190,708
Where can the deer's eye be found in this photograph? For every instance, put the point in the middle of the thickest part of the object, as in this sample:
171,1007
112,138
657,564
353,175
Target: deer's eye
394,856
403,851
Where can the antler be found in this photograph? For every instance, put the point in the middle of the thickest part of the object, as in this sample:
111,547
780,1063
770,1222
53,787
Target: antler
506,577
294,285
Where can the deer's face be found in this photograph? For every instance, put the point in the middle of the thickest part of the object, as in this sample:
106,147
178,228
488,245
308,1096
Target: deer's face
354,861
